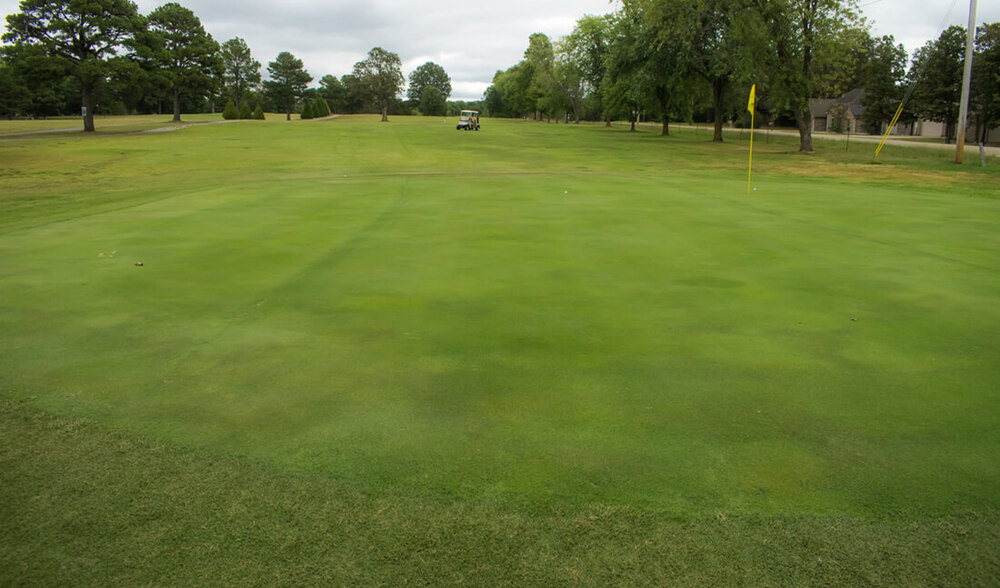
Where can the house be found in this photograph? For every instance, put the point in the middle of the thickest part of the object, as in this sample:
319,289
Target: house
838,115
846,115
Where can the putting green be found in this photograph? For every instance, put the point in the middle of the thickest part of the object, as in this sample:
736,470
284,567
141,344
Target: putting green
532,316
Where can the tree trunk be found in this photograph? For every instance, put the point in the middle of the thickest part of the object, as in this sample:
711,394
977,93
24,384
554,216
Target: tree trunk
661,93
607,121
803,120
87,98
718,90
385,112
177,104
288,114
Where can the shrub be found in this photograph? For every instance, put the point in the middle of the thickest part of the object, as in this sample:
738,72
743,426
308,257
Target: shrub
307,111
230,112
321,108
245,111
258,113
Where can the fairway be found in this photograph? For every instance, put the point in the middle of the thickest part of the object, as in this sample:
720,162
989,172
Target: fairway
348,351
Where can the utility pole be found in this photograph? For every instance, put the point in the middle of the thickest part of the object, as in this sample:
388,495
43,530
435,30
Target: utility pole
963,111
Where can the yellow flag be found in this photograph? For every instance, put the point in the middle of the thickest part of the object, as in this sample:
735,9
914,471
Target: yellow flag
753,97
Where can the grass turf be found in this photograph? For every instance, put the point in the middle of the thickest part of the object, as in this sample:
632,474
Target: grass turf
534,353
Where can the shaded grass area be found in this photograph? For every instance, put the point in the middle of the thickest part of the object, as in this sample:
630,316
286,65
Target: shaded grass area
81,503
536,354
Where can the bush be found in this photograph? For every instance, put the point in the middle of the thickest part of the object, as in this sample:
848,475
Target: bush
245,111
230,112
307,111
320,108
258,113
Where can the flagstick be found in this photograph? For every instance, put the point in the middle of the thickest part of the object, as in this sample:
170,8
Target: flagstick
752,108
750,167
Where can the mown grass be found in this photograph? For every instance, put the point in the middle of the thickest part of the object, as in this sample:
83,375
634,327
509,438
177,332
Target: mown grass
363,352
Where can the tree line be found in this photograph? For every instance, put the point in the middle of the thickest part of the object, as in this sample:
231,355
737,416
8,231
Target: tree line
105,57
695,61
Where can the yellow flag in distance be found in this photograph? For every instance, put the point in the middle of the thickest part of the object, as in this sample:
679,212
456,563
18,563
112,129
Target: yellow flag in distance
753,97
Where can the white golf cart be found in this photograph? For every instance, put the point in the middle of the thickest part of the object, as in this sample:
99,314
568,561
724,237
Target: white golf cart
468,120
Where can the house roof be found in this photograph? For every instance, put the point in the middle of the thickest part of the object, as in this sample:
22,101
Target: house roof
820,107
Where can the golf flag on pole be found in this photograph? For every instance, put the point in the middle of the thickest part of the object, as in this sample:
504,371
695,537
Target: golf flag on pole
750,107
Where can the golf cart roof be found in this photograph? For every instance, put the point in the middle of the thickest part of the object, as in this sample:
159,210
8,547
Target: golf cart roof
469,111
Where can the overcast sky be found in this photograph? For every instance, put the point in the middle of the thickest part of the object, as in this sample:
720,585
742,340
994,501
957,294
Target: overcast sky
470,40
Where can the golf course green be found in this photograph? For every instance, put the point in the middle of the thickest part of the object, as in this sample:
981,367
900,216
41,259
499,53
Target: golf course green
350,352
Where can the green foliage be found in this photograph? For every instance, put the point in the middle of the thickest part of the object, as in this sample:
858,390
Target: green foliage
80,35
307,110
320,107
428,74
985,100
937,77
240,71
230,112
334,93
245,111
794,31
380,75
179,52
288,82
884,73
15,97
258,113
432,102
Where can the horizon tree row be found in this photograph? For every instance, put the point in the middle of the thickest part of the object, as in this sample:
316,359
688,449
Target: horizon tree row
695,60
103,56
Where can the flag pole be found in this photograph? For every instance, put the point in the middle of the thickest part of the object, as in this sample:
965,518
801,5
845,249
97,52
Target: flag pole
750,107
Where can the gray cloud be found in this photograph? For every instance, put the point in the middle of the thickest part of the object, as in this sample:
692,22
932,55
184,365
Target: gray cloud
471,41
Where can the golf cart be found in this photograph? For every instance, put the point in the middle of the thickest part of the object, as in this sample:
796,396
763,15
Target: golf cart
468,120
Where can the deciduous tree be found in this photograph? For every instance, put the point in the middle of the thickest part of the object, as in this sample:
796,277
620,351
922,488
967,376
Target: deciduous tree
937,75
428,74
794,29
884,72
380,74
432,102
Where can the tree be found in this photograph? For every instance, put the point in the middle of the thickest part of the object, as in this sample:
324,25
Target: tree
320,107
937,74
584,52
840,61
288,81
883,74
428,74
230,112
986,79
432,102
354,94
15,97
539,59
240,71
794,28
258,113
179,50
381,76
334,92
245,111
710,39
83,35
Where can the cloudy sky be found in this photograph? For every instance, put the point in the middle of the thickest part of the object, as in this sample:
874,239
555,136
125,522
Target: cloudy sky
470,40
